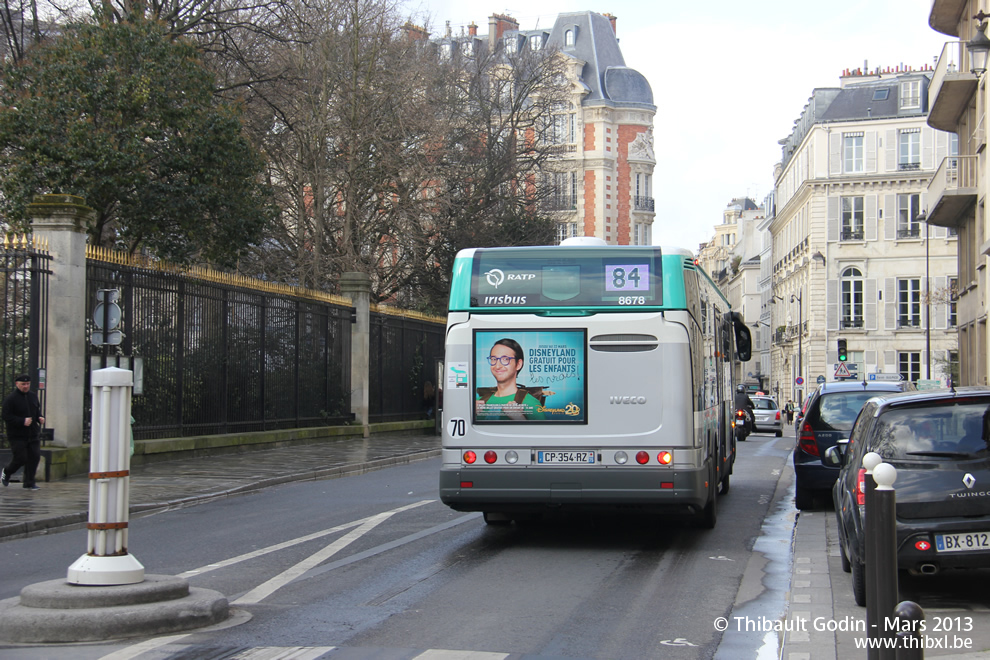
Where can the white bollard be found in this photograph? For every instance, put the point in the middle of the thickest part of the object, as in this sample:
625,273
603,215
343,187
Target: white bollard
107,561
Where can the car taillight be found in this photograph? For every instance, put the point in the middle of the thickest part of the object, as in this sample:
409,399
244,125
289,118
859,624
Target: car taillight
777,416
807,441
861,487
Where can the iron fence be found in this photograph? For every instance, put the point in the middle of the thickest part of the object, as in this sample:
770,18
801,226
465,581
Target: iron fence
222,354
404,349
24,302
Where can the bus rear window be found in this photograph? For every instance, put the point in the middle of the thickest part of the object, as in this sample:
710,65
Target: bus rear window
566,277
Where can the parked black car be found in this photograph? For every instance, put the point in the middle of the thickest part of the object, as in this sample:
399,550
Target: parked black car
939,442
828,417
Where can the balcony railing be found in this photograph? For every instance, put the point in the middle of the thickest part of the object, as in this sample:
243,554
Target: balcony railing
851,235
852,323
952,189
562,203
643,203
908,232
951,88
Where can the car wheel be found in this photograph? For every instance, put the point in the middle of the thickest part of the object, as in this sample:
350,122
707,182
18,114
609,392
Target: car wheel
804,498
859,583
843,557
779,433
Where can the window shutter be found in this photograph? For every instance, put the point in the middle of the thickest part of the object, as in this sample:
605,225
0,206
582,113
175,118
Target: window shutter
870,145
940,311
832,221
870,217
890,217
890,362
891,151
832,304
890,303
870,304
927,150
869,357
835,153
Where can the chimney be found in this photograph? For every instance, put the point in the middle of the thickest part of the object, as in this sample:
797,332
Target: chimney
473,29
611,19
415,32
498,25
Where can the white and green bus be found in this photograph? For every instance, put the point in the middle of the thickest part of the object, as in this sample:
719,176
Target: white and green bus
587,376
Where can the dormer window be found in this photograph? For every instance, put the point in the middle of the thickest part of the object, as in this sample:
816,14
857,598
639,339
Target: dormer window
536,42
445,51
512,45
569,37
910,94
467,48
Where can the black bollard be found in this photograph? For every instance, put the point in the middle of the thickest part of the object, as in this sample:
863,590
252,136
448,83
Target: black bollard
870,461
910,619
885,538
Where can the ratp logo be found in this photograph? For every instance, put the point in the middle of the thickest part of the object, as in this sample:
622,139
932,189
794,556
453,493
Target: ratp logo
495,277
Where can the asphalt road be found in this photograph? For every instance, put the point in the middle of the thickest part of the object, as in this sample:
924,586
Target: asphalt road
373,566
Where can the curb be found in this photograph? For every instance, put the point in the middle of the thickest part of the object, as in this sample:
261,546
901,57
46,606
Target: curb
45,525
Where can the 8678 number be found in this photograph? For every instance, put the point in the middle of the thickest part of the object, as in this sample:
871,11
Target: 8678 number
632,300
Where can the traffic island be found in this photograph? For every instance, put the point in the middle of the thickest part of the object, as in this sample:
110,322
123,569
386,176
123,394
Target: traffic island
57,611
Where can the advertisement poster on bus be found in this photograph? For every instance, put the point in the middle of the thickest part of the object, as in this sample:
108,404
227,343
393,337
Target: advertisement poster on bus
530,376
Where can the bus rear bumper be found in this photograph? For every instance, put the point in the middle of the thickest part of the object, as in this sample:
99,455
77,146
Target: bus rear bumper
667,491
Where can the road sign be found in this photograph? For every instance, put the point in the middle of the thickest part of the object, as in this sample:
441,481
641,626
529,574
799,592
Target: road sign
821,379
842,371
883,377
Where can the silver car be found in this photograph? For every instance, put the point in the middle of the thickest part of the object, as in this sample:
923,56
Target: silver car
769,418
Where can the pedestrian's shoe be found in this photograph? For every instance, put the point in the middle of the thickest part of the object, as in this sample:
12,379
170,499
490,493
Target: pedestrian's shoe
4,478
33,487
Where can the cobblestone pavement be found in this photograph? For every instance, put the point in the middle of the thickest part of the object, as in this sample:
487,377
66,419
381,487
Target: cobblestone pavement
185,481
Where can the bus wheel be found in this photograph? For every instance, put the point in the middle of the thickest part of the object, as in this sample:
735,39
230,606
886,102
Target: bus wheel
709,516
494,518
725,485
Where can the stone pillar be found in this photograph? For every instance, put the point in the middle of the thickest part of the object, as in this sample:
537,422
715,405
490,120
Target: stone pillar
358,287
61,220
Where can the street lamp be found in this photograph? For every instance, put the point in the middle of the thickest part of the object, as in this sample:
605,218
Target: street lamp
800,347
923,217
979,45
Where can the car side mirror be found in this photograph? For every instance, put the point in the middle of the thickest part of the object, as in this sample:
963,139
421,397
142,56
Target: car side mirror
836,456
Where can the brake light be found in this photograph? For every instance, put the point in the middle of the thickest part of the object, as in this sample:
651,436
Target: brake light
665,457
861,487
470,457
490,457
807,441
642,457
777,416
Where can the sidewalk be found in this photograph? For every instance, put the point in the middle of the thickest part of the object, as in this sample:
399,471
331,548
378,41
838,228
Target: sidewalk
178,483
823,621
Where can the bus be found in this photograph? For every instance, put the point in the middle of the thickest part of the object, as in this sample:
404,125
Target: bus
585,376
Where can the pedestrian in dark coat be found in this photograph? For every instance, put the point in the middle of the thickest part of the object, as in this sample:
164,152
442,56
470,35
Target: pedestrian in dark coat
22,414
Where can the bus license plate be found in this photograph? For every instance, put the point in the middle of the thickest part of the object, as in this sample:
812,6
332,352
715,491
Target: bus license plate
962,542
557,457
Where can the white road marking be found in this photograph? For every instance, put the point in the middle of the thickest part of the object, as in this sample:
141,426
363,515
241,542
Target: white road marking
135,650
285,577
288,544
283,653
441,654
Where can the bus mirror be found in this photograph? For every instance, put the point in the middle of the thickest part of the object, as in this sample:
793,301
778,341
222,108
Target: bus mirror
744,340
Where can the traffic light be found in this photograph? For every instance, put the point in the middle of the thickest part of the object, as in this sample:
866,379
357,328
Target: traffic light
842,351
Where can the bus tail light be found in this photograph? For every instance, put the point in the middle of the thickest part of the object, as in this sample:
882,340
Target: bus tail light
642,457
490,457
807,441
470,457
665,457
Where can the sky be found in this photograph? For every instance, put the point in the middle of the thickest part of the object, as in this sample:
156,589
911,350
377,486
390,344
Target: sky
729,80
